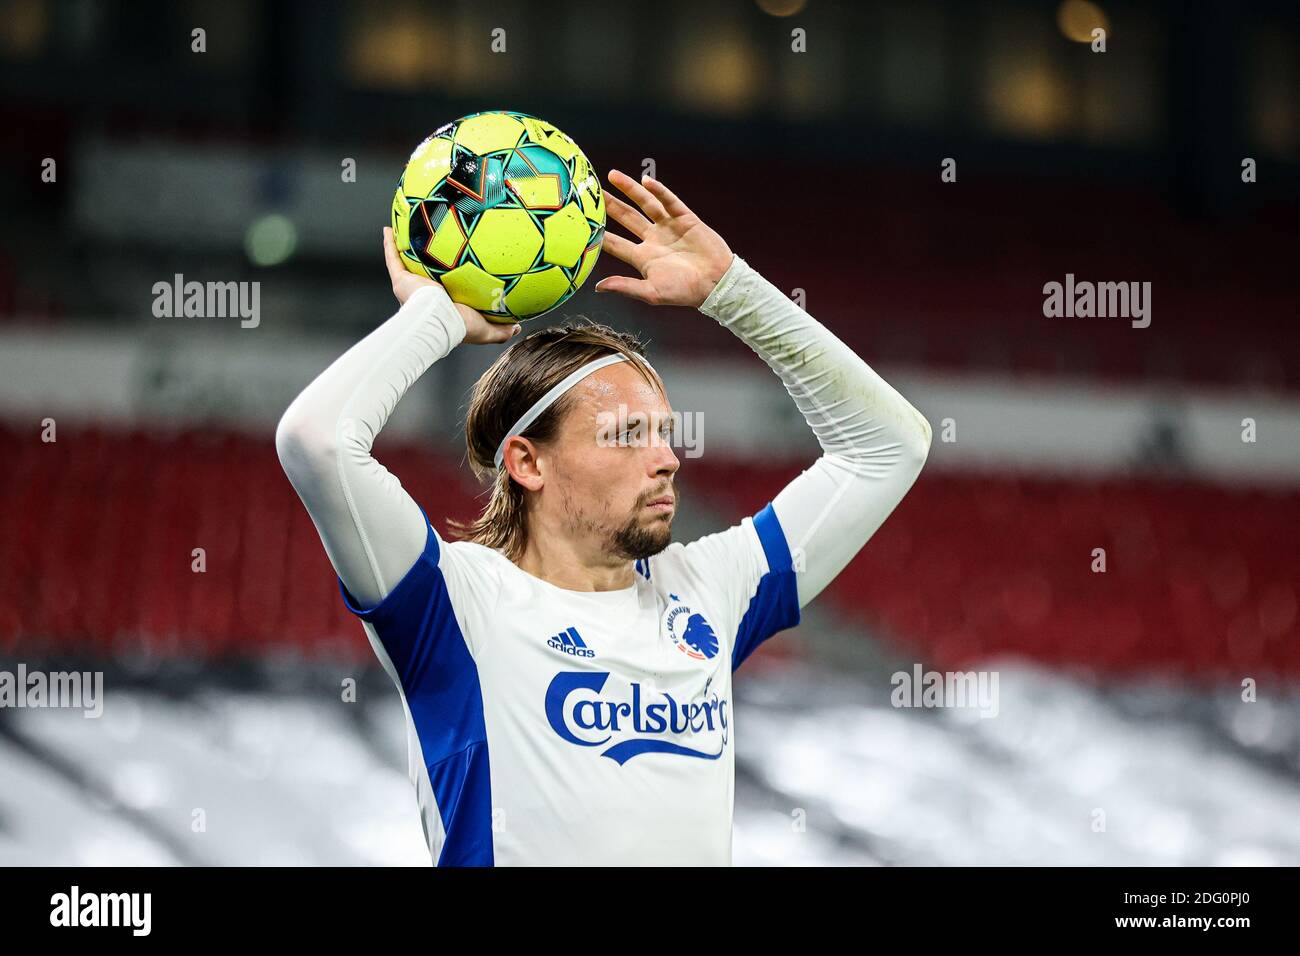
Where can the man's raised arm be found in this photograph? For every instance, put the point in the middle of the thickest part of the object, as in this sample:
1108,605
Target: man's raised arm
373,531
873,441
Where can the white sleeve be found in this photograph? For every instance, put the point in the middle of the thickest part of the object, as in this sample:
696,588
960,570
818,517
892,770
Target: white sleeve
874,442
373,531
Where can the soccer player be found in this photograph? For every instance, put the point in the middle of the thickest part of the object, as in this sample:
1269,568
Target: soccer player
564,666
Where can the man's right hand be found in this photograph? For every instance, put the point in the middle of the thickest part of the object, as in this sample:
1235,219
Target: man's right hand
478,330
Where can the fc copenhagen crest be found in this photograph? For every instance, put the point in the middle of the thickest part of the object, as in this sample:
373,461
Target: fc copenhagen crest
689,631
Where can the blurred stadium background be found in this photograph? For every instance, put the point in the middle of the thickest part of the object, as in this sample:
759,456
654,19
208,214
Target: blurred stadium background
1119,691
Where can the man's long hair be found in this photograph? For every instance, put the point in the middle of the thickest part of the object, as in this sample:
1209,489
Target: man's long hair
521,375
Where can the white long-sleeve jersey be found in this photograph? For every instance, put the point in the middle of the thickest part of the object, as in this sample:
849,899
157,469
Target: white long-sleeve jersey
552,726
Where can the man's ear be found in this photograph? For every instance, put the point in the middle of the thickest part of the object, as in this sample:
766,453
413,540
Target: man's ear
520,458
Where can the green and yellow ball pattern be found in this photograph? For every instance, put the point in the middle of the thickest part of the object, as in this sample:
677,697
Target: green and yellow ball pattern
504,210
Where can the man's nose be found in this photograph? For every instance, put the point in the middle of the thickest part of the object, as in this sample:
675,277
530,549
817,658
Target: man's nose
662,459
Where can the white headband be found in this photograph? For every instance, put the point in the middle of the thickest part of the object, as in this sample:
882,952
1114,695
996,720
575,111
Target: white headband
547,400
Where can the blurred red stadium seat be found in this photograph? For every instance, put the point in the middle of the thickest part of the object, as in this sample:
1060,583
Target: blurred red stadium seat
98,532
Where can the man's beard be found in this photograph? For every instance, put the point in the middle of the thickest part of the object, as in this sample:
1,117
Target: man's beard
635,540
632,541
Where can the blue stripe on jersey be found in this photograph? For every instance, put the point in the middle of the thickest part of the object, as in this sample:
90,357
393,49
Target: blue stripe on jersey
417,627
775,604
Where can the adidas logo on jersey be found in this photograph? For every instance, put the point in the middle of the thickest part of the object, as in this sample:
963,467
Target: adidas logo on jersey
570,642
